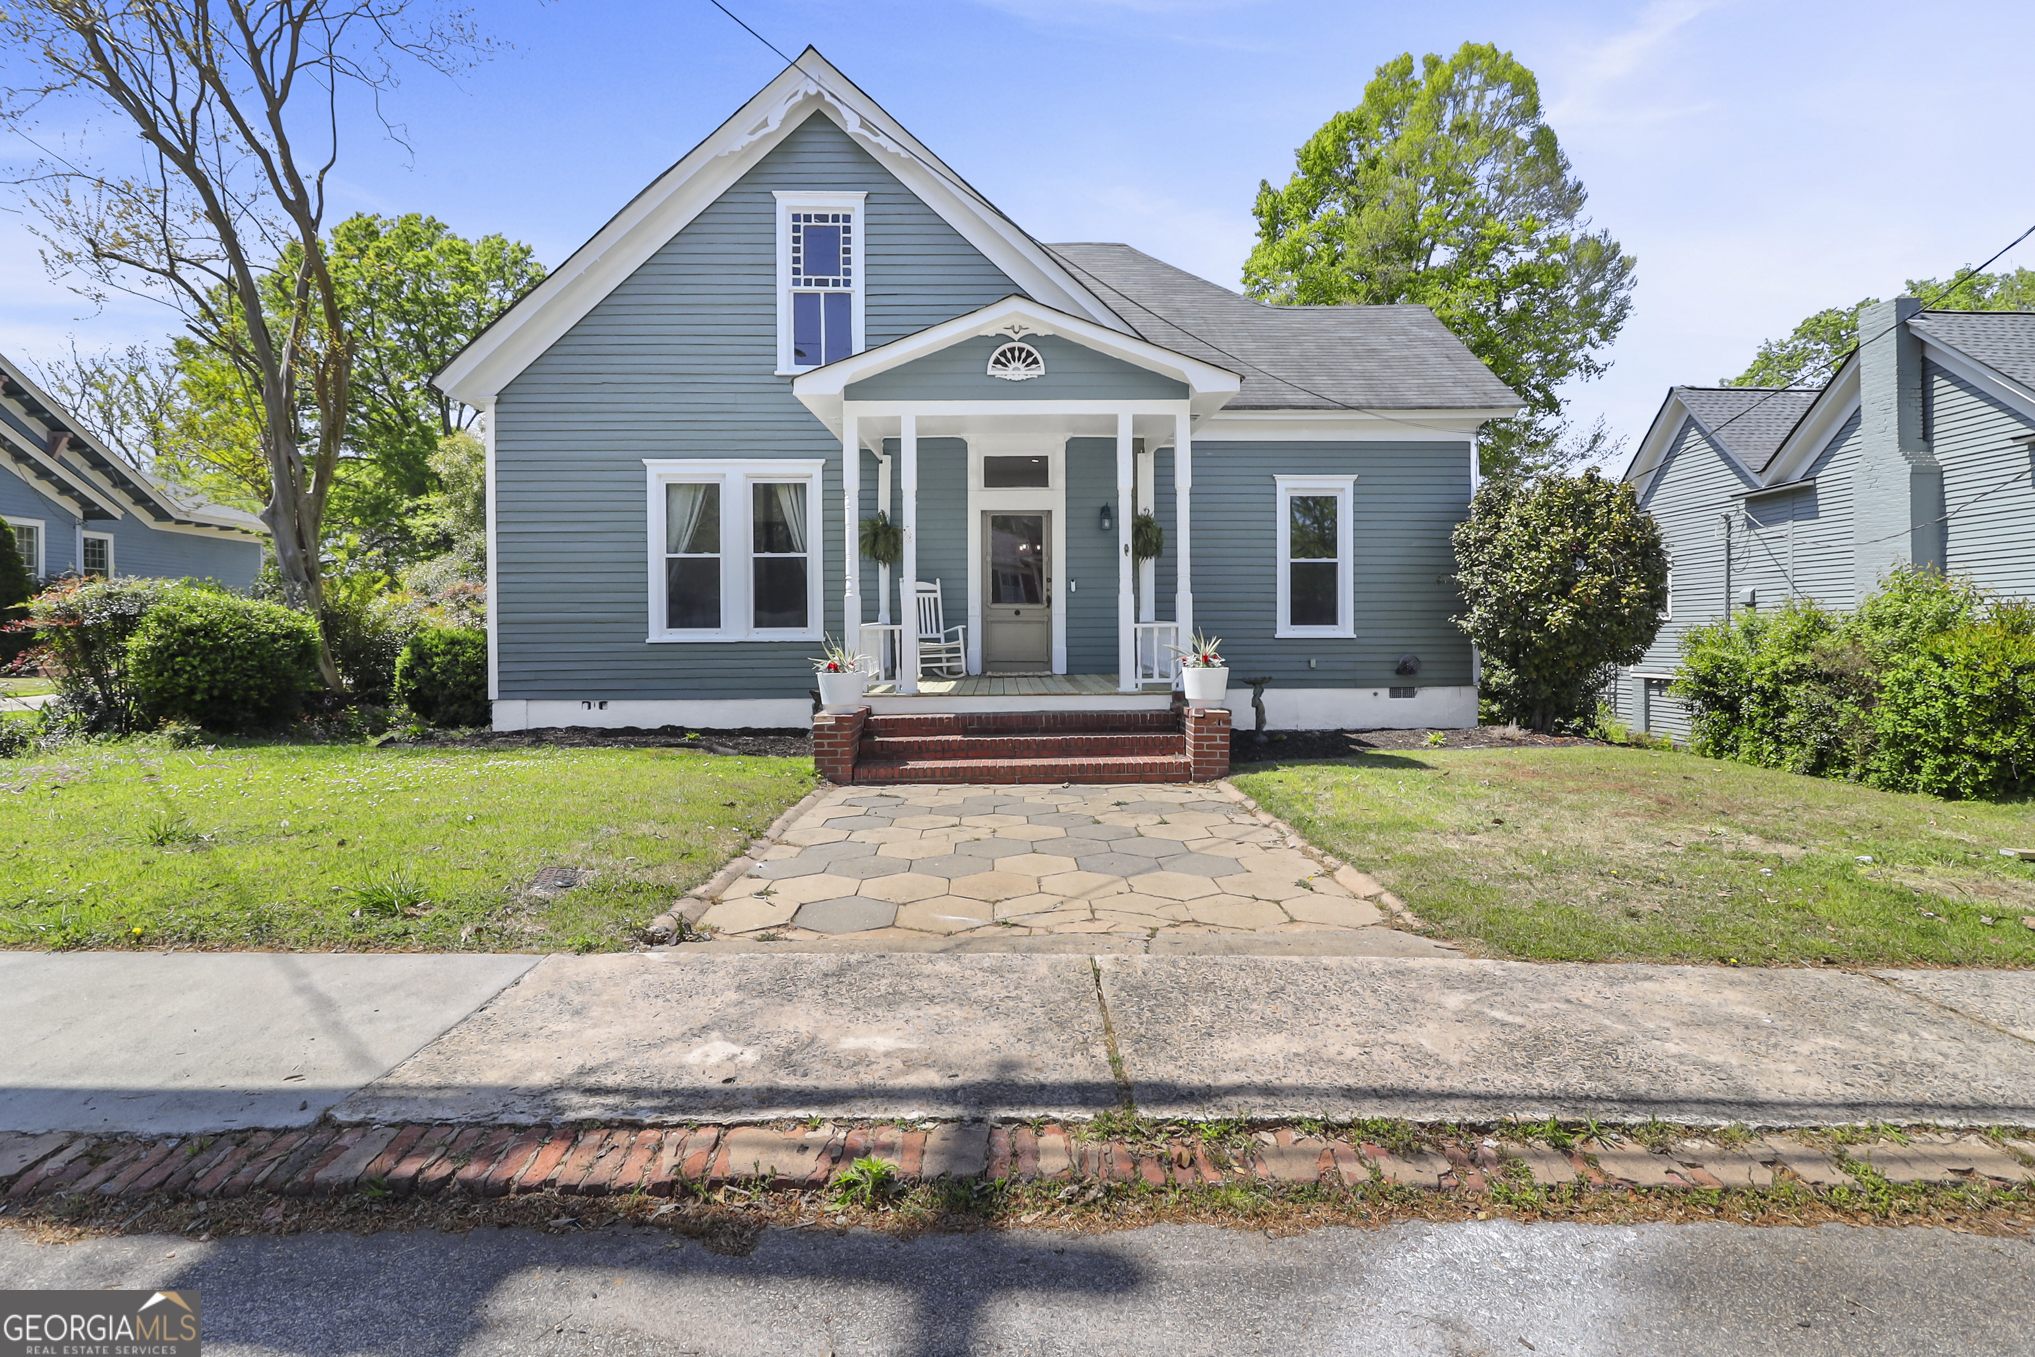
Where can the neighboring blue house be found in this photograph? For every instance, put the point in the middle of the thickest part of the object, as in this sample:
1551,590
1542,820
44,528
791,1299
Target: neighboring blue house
77,508
1918,450
810,318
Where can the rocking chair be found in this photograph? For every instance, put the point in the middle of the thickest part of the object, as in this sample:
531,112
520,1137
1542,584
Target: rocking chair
943,650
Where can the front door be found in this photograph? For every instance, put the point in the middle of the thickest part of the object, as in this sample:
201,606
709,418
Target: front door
1017,594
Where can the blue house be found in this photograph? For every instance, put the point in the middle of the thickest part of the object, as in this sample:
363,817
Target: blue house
78,508
810,319
1918,450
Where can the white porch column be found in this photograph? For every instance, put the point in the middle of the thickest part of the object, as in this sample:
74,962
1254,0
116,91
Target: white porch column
851,533
1148,503
1126,604
883,507
1183,496
908,474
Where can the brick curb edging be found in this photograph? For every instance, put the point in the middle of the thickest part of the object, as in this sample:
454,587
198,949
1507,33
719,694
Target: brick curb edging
686,911
499,1161
1360,884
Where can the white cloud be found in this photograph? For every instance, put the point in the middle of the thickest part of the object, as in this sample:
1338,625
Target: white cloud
1598,83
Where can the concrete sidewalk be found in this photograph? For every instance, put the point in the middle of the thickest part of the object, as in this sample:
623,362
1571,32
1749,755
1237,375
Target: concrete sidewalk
173,1044
675,1036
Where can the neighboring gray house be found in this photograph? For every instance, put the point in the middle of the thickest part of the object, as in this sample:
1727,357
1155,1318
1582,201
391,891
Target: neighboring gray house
1918,450
78,508
810,318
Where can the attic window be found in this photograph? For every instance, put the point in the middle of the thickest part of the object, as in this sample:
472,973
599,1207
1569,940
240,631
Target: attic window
820,279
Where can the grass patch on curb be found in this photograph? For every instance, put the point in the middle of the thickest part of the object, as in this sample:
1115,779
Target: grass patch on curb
345,846
1605,854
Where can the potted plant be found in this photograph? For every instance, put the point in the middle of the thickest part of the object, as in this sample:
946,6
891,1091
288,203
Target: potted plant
882,541
841,676
1204,674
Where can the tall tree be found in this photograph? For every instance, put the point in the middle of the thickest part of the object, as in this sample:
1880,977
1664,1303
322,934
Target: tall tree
238,106
1446,187
122,396
1813,349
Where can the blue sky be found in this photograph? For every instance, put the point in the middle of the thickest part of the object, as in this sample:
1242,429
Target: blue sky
1761,160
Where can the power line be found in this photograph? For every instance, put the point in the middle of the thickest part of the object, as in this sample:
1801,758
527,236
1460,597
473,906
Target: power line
1956,282
944,173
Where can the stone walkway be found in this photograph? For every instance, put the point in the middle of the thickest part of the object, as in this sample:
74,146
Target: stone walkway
1143,861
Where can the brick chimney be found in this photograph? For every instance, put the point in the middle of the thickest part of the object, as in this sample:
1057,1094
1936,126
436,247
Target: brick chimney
1897,495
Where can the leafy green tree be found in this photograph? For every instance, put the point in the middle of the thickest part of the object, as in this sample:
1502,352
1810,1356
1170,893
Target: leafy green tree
413,293
1446,187
1811,352
16,585
1562,577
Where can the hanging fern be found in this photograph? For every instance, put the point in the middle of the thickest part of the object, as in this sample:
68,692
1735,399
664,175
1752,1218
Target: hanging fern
882,540
1148,539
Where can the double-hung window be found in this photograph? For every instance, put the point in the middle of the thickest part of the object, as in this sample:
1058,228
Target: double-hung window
97,555
28,541
820,267
734,550
1315,556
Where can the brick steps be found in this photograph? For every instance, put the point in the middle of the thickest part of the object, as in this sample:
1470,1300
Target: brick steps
482,1161
1181,745
1140,768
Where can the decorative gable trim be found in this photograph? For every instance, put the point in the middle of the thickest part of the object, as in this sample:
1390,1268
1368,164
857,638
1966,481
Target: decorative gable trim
809,86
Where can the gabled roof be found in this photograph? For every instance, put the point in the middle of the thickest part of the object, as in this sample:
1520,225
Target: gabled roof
2003,340
1293,357
1209,385
810,86
1752,421
66,461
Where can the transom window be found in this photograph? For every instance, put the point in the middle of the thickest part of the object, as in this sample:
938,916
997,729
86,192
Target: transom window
731,550
819,246
1016,473
1314,556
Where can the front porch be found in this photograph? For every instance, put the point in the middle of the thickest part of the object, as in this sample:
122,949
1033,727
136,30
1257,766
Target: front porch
1015,693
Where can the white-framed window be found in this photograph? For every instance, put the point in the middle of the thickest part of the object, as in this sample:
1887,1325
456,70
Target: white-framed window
820,256
1668,612
95,554
28,541
734,550
1314,555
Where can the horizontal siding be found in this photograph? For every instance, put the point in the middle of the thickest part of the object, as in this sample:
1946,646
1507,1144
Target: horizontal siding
961,372
139,548
1092,556
678,361
1988,485
1409,497
1687,498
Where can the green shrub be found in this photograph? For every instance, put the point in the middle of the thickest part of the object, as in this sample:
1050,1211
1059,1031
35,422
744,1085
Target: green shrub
1783,689
442,676
1956,717
367,628
83,626
221,661
16,584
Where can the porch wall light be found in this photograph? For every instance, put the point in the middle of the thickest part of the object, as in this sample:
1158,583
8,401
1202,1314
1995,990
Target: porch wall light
1108,519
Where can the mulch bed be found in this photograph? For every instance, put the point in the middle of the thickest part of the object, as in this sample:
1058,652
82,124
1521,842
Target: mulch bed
1284,745
780,744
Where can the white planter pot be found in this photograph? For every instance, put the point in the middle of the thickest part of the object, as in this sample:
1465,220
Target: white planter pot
842,692
1204,687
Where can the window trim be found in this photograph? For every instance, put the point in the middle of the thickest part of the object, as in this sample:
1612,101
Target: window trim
1343,488
105,537
35,567
735,475
789,202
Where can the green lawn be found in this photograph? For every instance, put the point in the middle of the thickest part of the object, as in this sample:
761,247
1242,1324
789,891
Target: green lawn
1603,854
324,846
26,687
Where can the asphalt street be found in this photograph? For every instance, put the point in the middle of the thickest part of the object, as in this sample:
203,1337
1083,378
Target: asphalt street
1479,1288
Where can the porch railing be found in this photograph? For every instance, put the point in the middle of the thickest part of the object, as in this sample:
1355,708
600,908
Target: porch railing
882,650
1156,661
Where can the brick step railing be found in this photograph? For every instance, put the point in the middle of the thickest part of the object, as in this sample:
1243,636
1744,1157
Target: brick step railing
1186,744
499,1161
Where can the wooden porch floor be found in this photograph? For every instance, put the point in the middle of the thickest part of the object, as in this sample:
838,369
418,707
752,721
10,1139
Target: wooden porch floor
1009,685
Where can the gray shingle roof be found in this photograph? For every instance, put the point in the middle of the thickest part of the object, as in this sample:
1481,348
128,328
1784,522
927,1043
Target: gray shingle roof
1291,357
2003,340
1751,421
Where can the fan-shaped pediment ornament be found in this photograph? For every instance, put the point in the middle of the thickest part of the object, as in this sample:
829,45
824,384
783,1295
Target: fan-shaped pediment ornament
1016,363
